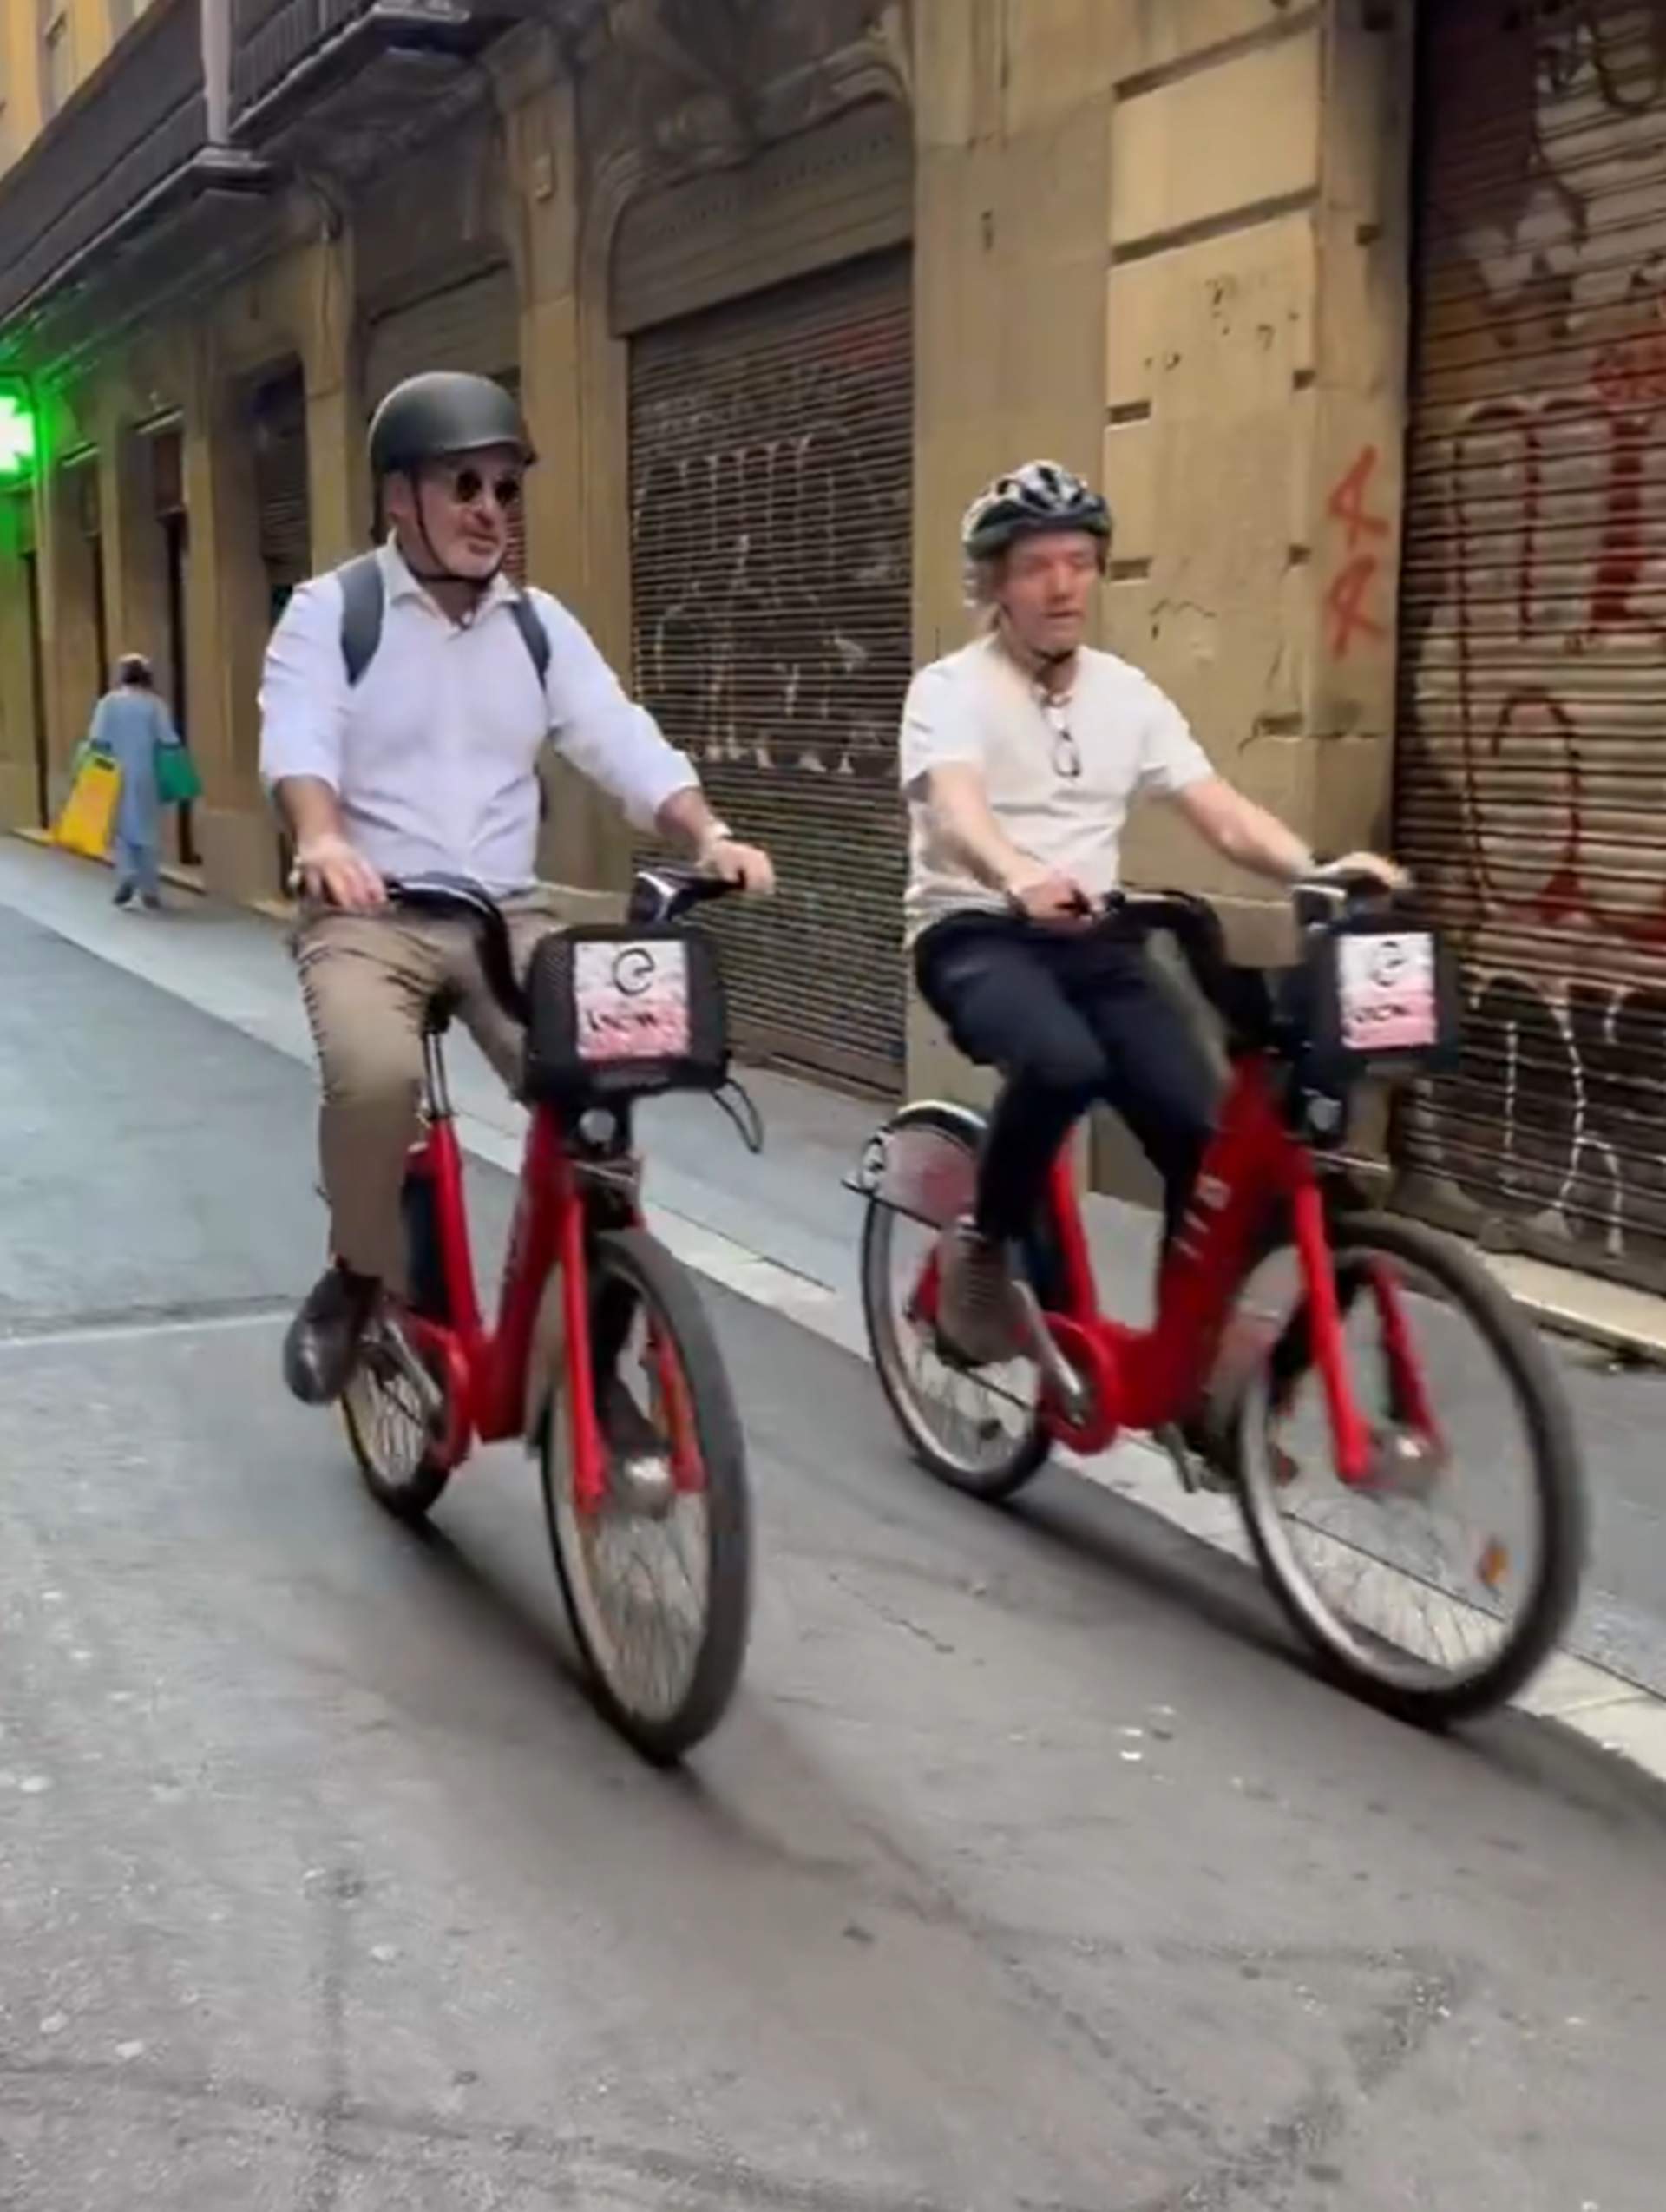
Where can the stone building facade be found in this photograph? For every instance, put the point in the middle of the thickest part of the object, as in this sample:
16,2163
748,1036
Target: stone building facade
781,285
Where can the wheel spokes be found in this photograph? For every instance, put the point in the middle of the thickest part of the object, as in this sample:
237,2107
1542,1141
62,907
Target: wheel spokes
1418,1571
975,1416
641,1576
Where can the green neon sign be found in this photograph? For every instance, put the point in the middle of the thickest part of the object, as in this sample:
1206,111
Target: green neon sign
19,433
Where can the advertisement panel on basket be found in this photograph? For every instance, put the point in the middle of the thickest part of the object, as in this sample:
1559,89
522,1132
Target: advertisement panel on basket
632,1000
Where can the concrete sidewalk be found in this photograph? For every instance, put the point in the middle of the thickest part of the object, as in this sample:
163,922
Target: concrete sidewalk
782,1231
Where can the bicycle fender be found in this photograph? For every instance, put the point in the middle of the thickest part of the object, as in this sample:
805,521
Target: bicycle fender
923,1162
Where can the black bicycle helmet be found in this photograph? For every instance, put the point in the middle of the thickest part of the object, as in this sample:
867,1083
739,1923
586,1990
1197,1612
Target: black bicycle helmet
1040,496
441,412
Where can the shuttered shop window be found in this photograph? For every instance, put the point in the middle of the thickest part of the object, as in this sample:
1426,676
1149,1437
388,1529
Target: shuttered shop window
473,325
1531,763
771,467
280,487
514,561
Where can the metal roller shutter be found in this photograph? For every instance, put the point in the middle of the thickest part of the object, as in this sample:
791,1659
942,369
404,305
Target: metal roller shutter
1532,773
820,199
771,488
514,561
473,325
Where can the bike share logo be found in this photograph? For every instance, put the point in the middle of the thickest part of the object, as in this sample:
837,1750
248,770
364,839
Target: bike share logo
1388,1001
634,971
631,1000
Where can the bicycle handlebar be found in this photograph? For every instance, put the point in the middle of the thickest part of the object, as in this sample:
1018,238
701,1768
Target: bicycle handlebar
659,896
1240,996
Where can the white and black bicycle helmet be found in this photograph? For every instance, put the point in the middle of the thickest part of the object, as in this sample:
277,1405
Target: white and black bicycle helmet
1040,496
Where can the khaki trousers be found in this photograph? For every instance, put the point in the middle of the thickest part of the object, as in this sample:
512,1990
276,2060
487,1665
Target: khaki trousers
368,982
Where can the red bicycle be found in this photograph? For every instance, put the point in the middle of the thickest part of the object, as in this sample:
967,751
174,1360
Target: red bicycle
602,1357
1401,1445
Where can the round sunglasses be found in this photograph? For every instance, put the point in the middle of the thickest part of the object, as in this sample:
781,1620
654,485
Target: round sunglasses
467,486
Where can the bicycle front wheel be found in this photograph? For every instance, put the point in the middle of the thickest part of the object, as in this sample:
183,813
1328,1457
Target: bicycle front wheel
1436,1585
657,1574
390,1433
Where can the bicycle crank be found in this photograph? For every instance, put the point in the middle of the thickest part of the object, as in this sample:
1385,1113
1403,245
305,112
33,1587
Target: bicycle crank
1066,1388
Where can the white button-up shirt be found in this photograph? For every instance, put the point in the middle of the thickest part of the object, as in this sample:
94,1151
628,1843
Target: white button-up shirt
432,756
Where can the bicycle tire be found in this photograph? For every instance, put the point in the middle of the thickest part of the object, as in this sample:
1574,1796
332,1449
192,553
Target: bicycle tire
666,1291
400,1472
1003,1477
1557,1486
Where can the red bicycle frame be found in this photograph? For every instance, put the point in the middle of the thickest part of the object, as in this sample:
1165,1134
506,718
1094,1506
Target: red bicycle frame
1149,1379
485,1373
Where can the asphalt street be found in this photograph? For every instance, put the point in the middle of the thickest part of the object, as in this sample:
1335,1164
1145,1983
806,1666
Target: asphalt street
1031,1870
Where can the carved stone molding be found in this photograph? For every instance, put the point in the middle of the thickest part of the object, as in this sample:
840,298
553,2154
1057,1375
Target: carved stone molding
658,95
694,82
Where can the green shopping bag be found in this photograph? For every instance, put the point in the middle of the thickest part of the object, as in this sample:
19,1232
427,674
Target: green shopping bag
177,781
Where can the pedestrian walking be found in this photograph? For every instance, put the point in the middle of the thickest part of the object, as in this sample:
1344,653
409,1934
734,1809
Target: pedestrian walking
132,727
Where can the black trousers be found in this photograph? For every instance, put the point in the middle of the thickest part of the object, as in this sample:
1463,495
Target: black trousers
1070,1018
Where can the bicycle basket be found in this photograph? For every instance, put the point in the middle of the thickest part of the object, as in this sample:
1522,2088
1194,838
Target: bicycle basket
1378,994
617,1011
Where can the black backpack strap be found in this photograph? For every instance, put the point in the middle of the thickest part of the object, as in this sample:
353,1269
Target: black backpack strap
363,598
530,624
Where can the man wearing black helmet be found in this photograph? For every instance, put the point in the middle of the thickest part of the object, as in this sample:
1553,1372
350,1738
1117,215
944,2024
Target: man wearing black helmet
405,700
1021,757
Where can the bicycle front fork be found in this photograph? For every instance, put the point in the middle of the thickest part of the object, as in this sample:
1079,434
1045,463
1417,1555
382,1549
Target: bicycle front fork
1360,1451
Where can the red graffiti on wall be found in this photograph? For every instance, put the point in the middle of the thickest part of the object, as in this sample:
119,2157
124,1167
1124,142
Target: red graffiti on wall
1347,600
1534,761
1543,592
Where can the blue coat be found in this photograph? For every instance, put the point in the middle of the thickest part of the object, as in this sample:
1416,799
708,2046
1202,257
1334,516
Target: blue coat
130,725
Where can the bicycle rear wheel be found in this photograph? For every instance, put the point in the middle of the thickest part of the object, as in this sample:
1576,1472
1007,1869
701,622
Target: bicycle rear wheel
388,1428
658,1575
979,1429
1435,1587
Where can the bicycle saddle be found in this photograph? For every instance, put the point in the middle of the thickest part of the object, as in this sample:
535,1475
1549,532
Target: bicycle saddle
457,899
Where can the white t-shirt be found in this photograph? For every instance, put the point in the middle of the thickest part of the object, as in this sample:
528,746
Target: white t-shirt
978,707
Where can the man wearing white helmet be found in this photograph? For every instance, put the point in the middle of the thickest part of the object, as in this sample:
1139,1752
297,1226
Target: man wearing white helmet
1021,755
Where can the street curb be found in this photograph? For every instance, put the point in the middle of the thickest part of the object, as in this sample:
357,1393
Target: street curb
1588,1308
179,877
1604,1709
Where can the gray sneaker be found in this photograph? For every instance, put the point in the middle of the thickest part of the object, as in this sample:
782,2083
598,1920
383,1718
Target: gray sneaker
980,1313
